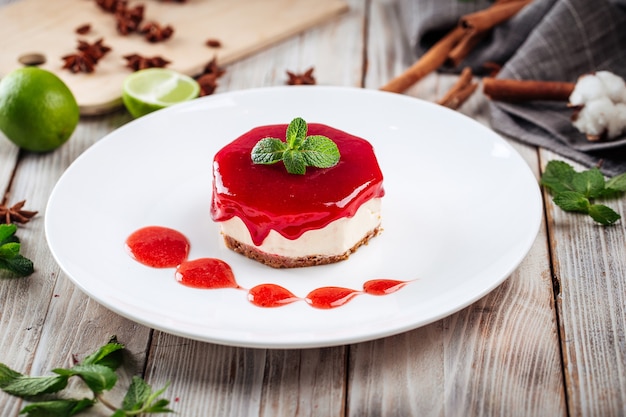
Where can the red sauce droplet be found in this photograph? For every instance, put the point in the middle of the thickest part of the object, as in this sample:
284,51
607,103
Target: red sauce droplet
158,247
330,297
206,273
161,247
382,286
270,295
266,197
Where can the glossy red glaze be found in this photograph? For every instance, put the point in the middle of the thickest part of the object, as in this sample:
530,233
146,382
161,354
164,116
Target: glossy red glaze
266,197
382,286
158,247
270,295
206,273
330,297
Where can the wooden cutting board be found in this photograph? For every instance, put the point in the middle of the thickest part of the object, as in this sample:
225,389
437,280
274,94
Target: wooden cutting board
46,28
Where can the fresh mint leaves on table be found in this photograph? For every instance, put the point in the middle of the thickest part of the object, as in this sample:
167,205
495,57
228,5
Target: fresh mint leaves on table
577,191
97,371
298,151
10,258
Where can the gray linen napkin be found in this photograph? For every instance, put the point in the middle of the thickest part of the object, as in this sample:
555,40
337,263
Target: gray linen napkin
547,40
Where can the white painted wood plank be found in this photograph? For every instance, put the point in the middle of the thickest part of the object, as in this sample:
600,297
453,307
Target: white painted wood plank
590,268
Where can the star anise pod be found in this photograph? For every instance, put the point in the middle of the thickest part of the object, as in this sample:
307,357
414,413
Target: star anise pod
129,19
208,84
305,78
213,68
94,50
79,62
208,78
15,213
154,32
137,62
111,6
86,58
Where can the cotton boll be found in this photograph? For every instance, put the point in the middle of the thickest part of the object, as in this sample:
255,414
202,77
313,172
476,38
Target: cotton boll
614,86
593,118
617,124
601,100
588,87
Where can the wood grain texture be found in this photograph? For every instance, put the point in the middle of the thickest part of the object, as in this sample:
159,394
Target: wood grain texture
590,269
548,341
48,28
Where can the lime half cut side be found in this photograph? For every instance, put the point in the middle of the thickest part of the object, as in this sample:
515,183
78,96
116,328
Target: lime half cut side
151,89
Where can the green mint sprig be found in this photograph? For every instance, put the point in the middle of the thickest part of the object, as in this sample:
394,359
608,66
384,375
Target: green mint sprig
298,151
10,258
97,371
576,191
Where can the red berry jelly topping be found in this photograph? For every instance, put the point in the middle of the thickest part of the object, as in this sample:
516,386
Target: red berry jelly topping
267,197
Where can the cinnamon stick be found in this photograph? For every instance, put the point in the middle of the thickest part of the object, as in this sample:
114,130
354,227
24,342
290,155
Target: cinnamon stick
460,91
429,62
524,90
492,16
464,47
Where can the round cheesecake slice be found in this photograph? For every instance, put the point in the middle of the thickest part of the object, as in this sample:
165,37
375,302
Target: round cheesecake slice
288,220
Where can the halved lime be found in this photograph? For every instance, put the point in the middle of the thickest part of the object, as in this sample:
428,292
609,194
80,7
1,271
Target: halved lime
152,89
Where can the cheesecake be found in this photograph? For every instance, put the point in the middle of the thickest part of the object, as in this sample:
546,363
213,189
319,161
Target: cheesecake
287,220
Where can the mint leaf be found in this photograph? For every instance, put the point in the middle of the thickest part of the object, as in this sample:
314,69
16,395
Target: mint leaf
7,375
97,372
10,259
572,201
615,186
109,355
9,250
298,151
57,408
603,214
19,385
140,399
296,133
138,393
98,378
268,151
18,265
320,152
576,191
590,182
7,233
558,176
294,162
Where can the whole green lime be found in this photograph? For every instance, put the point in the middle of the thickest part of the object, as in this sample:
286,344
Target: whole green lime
38,112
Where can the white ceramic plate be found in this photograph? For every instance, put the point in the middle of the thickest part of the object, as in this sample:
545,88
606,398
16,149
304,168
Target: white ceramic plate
461,211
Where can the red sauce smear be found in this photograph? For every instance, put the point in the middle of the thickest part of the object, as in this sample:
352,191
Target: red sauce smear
330,297
270,295
266,197
158,247
382,286
162,247
206,273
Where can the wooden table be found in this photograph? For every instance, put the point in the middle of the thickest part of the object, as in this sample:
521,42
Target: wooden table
549,341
